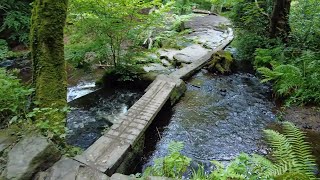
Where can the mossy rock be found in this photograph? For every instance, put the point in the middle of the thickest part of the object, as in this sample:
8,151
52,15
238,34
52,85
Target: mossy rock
125,76
221,62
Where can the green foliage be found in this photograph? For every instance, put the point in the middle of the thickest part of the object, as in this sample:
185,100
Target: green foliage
305,24
3,49
249,42
5,53
199,174
13,97
110,28
123,73
173,165
298,82
291,159
75,53
248,17
291,154
15,113
182,7
16,19
54,130
266,57
292,67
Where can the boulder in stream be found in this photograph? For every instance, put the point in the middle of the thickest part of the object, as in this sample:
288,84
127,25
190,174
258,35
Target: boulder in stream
32,153
220,62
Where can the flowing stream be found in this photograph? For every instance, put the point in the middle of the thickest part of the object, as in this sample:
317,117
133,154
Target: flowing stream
218,117
93,111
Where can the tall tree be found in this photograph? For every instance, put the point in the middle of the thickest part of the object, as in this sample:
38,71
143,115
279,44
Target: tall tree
279,23
47,51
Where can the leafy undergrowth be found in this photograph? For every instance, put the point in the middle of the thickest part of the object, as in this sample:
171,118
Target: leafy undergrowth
290,159
16,113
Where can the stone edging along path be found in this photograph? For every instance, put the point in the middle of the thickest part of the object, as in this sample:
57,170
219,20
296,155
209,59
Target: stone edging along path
112,152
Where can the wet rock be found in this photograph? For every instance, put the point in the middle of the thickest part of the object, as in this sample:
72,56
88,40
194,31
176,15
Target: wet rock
154,67
68,169
6,139
177,64
167,53
221,62
31,154
165,62
182,58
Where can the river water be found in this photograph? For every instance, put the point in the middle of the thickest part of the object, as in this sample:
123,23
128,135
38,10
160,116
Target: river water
218,117
93,113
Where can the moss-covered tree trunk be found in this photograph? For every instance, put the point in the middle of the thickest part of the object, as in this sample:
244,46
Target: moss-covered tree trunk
279,24
47,51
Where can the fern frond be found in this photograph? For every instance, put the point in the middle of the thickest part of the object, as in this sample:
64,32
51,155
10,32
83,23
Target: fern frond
268,74
282,150
304,161
290,79
292,176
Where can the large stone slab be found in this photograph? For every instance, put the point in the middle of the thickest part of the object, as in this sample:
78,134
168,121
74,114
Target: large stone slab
31,154
68,169
190,54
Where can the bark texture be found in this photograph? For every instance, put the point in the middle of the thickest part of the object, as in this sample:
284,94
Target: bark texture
47,51
279,24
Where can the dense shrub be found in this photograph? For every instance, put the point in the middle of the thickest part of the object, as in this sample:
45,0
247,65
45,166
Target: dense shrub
13,97
16,20
298,81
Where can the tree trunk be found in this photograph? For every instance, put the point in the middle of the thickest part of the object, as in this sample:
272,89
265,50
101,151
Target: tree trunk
47,52
279,24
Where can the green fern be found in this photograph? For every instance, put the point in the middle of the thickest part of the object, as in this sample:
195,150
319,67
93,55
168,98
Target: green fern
172,165
287,78
301,150
199,174
291,160
292,155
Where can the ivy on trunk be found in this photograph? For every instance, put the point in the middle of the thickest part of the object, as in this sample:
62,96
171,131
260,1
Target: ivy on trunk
47,51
